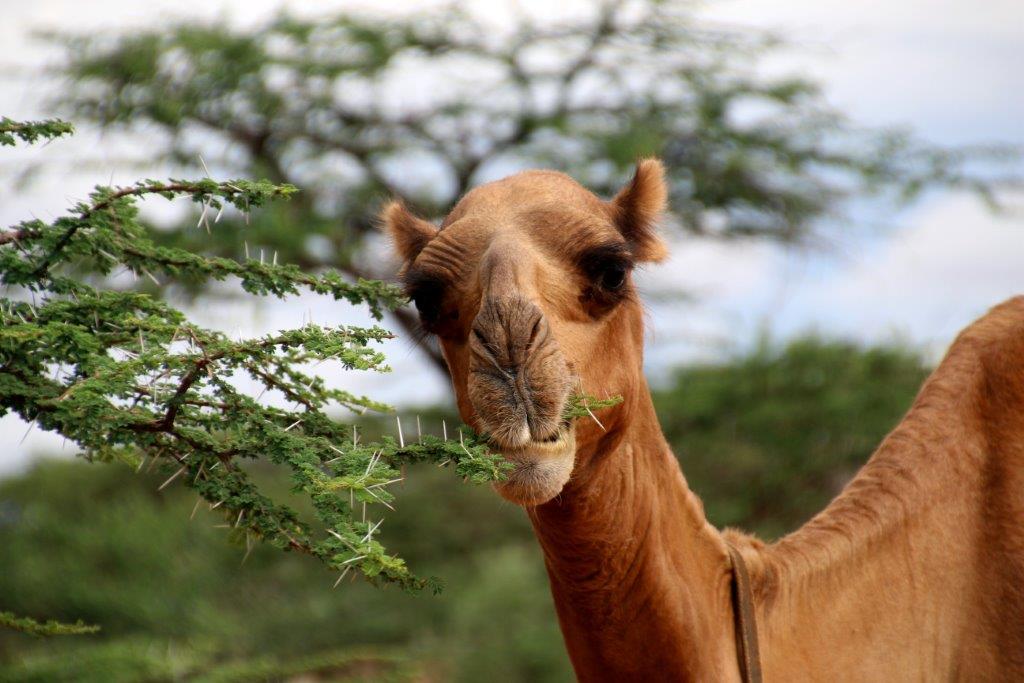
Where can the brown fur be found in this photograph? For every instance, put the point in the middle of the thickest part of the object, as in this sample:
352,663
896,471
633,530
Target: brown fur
915,572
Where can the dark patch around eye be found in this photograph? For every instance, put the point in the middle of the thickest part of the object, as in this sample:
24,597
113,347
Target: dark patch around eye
427,293
605,269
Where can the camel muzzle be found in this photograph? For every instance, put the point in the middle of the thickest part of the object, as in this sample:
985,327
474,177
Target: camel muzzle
518,378
518,385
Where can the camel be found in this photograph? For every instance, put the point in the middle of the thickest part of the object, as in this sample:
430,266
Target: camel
914,572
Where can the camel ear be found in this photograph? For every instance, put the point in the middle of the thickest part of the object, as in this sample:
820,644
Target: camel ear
637,208
408,232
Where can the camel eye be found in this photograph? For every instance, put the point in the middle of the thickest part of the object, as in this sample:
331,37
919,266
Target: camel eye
613,277
606,266
429,294
427,300
605,270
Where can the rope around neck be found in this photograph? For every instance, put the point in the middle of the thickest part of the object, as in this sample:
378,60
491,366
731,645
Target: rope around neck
746,626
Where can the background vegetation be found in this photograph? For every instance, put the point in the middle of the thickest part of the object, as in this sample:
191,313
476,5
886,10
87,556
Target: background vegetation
765,439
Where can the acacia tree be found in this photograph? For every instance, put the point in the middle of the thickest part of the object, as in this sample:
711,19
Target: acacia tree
129,378
325,104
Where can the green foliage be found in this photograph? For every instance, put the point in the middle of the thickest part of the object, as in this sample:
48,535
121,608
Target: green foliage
49,628
772,437
783,427
502,627
176,601
30,131
319,103
583,406
127,377
133,660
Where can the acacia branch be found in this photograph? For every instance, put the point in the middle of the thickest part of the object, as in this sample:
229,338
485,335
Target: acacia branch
8,236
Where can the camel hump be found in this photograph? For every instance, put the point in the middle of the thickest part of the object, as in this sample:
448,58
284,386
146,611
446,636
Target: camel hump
1012,307
984,372
996,337
981,380
1001,410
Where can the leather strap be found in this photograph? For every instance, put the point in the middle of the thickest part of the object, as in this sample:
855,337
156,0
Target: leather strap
746,625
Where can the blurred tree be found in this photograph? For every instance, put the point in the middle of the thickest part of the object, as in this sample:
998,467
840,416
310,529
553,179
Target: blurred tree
355,107
772,437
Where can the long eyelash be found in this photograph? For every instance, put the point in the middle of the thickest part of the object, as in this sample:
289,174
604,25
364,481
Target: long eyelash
421,335
596,259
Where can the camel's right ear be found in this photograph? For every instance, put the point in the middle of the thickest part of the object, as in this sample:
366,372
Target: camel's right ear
408,232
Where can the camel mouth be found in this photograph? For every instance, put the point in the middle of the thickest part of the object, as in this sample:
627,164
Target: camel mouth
541,468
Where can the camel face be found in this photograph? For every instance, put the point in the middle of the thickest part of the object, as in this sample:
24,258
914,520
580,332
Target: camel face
527,286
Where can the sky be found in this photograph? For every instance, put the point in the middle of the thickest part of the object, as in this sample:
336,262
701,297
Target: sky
946,68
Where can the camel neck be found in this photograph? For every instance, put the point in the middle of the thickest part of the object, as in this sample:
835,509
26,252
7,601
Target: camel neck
634,565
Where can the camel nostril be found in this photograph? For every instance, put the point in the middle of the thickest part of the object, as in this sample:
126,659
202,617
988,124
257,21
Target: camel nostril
479,336
535,331
489,350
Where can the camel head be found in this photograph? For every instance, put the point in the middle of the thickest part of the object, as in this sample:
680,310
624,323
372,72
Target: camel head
528,287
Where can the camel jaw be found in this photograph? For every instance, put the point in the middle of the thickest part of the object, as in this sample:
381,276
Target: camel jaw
541,470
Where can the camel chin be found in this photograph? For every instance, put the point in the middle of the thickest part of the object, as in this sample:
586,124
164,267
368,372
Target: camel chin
542,468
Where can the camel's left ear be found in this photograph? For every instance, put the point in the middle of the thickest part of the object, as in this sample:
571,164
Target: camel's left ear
408,232
637,208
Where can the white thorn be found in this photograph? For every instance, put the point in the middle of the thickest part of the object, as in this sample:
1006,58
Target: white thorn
379,500
342,576
386,483
204,165
594,417
371,531
401,438
171,478
369,465
248,548
30,426
150,276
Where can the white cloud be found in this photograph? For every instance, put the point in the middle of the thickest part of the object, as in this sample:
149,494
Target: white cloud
955,260
947,67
